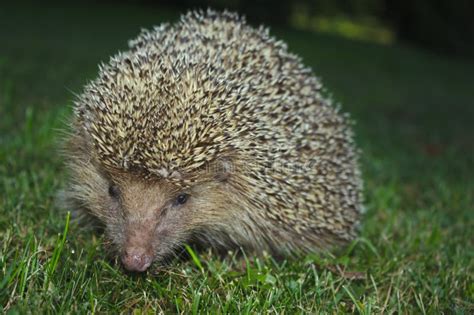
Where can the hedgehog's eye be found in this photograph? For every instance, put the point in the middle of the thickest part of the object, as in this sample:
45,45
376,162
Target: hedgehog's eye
181,199
114,191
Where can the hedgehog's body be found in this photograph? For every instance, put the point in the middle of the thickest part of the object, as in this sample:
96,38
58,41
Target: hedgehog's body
210,130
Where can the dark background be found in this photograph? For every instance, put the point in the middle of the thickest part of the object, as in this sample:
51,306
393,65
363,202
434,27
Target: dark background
440,25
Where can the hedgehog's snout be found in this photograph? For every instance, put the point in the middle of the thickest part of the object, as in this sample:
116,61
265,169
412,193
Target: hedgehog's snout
137,254
137,259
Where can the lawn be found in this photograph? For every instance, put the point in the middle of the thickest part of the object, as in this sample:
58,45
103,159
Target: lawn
415,125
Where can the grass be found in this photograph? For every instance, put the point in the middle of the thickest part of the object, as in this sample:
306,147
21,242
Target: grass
415,125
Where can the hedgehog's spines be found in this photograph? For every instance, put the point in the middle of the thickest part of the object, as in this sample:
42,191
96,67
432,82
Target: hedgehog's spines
211,87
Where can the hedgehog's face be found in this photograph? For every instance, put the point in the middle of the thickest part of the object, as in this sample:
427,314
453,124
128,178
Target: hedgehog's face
148,221
154,219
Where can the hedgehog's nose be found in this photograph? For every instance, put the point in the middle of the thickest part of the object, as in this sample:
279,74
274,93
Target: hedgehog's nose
136,259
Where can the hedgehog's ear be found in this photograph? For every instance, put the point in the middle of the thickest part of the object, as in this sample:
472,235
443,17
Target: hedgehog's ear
222,169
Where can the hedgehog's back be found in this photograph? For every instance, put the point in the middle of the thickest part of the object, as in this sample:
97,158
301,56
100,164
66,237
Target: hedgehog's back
208,78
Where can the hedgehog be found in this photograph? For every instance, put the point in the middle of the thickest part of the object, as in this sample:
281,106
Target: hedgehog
209,131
